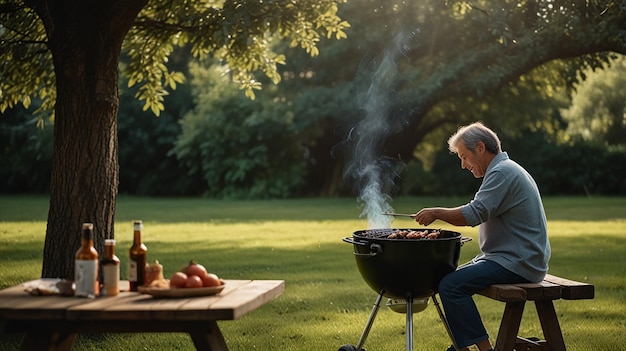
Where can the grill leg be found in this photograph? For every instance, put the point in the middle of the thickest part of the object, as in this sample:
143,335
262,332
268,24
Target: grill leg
445,321
409,323
370,321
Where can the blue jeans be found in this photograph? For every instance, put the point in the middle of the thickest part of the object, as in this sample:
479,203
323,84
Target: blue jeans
456,290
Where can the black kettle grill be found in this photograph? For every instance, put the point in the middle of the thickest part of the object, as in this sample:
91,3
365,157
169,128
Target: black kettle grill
405,269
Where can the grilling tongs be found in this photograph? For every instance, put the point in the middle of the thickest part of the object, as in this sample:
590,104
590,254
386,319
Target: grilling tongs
399,214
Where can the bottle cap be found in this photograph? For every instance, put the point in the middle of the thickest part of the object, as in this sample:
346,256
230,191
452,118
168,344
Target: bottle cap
138,225
109,242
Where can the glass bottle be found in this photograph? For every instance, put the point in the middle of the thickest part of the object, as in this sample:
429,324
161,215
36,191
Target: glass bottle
137,262
86,265
110,270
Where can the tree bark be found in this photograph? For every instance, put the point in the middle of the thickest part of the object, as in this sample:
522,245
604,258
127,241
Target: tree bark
85,40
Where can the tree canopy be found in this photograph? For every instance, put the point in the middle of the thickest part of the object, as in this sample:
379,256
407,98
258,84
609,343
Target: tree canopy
238,32
66,55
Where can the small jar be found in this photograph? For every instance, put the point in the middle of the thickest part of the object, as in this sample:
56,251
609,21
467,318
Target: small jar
154,272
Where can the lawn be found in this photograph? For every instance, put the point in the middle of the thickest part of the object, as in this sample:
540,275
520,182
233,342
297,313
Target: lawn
326,303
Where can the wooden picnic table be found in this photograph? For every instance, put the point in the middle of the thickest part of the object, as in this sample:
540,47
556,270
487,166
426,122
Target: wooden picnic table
52,322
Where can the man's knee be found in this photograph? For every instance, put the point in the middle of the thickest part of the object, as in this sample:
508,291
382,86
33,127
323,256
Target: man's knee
447,286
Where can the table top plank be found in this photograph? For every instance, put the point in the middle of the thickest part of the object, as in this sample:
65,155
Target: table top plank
16,302
245,298
238,298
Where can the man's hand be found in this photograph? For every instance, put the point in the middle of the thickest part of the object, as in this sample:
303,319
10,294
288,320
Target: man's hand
426,216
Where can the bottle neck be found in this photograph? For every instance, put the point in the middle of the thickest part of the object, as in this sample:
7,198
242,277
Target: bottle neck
137,228
109,251
87,238
137,237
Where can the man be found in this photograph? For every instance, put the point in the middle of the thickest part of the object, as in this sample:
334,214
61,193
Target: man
512,236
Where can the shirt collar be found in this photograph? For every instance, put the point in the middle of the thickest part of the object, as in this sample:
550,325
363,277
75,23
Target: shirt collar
502,156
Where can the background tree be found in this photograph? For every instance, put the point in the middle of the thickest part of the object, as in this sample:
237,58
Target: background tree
598,109
493,47
67,54
324,102
451,63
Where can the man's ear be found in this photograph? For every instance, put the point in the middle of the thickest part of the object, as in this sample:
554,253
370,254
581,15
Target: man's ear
480,147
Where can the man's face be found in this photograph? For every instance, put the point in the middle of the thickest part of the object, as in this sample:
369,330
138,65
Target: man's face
475,162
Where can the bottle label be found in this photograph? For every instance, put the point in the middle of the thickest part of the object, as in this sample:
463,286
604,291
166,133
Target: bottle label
110,279
86,278
132,271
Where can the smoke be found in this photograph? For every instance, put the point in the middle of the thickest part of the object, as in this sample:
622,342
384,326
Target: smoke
374,174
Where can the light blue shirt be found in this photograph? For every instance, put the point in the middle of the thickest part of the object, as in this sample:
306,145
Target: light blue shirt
513,230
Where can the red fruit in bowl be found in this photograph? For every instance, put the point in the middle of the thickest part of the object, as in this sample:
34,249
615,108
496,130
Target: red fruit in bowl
193,281
178,280
194,268
211,280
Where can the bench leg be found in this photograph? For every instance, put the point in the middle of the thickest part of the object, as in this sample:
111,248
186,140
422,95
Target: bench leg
509,326
550,325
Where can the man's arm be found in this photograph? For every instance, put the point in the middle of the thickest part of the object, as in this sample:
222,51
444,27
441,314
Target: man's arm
453,216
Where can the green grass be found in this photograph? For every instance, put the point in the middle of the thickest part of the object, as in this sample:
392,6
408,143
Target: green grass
326,303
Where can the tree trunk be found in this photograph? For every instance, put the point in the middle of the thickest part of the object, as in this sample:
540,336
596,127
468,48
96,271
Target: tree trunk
85,39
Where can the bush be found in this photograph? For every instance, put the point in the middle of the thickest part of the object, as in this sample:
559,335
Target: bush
147,165
25,153
239,147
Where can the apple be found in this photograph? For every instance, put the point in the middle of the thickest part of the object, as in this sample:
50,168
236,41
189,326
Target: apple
193,281
211,280
178,280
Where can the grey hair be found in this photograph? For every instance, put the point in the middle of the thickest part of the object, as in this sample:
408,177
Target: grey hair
472,134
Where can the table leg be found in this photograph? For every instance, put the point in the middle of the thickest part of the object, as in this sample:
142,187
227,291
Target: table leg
550,325
48,340
209,338
509,326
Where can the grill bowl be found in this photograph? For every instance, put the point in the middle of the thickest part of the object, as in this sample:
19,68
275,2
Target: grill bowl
405,268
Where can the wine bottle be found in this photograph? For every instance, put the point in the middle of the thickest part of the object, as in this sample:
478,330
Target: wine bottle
137,262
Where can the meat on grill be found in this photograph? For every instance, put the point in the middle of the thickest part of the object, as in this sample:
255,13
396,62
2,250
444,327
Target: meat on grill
402,234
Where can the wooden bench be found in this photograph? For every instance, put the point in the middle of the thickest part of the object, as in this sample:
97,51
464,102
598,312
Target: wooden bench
543,294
